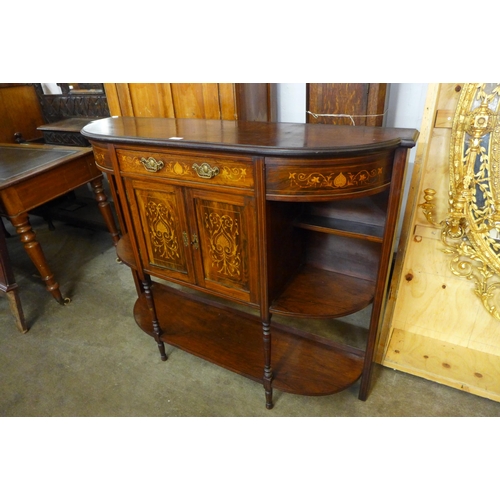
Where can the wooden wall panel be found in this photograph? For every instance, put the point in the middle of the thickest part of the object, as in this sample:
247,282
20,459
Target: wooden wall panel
20,111
435,326
227,101
196,100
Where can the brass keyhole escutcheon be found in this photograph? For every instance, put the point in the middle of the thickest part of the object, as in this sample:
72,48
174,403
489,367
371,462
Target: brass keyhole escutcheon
194,241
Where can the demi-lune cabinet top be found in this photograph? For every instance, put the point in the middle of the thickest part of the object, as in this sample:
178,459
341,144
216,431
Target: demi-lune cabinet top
266,138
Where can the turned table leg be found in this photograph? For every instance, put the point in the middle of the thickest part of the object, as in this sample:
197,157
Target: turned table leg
8,283
146,284
105,209
268,372
35,253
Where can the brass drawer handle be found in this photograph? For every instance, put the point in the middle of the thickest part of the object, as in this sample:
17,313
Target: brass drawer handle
205,170
152,165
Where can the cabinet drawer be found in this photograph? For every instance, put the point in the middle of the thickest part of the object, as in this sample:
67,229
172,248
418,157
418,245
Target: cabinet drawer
204,168
316,178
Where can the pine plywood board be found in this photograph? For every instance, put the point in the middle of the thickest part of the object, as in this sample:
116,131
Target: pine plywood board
409,211
430,298
435,326
446,363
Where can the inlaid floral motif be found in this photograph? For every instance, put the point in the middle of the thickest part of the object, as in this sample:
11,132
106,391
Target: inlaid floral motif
162,224
336,180
224,233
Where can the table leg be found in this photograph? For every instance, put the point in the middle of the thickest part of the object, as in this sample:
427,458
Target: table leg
35,253
104,207
17,310
8,283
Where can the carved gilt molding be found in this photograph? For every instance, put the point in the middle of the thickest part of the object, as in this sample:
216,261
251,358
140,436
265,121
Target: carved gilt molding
471,230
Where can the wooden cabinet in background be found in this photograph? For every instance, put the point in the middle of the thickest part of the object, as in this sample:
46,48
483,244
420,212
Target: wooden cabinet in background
220,101
20,113
364,102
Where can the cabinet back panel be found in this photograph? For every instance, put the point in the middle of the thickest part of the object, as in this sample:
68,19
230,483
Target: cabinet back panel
343,255
285,244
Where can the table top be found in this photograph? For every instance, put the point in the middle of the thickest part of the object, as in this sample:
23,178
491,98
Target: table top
20,161
268,138
68,125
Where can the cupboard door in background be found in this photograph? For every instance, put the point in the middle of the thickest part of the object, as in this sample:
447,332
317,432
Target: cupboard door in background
365,102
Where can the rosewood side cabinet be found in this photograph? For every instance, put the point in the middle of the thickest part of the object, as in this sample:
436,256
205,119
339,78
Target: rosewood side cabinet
233,228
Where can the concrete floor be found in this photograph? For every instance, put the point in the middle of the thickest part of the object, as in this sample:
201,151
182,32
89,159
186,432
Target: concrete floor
89,358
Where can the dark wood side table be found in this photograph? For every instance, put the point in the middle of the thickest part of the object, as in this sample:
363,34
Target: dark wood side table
31,175
66,132
287,220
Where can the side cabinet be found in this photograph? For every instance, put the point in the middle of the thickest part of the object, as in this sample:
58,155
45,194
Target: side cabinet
291,225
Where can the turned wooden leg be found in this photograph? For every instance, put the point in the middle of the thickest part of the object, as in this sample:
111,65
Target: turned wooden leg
105,209
8,283
268,372
35,253
146,284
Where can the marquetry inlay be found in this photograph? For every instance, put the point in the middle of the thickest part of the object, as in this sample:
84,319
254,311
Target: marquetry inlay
100,157
234,174
162,224
183,168
223,231
336,180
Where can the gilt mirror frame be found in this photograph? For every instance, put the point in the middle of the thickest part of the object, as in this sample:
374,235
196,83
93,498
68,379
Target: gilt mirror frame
471,230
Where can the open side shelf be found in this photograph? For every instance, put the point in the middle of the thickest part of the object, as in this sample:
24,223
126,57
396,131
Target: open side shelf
342,227
124,252
232,339
330,294
361,218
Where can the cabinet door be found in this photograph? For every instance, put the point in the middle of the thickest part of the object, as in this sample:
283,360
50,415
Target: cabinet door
163,233
225,228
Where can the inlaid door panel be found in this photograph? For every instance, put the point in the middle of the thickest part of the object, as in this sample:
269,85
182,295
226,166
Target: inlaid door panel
224,228
163,235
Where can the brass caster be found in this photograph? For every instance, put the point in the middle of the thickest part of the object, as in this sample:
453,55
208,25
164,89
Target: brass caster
66,301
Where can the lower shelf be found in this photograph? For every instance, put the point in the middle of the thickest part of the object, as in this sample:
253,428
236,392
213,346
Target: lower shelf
302,364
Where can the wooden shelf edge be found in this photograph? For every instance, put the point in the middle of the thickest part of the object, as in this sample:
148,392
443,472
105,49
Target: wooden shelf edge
232,339
367,232
124,252
324,290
